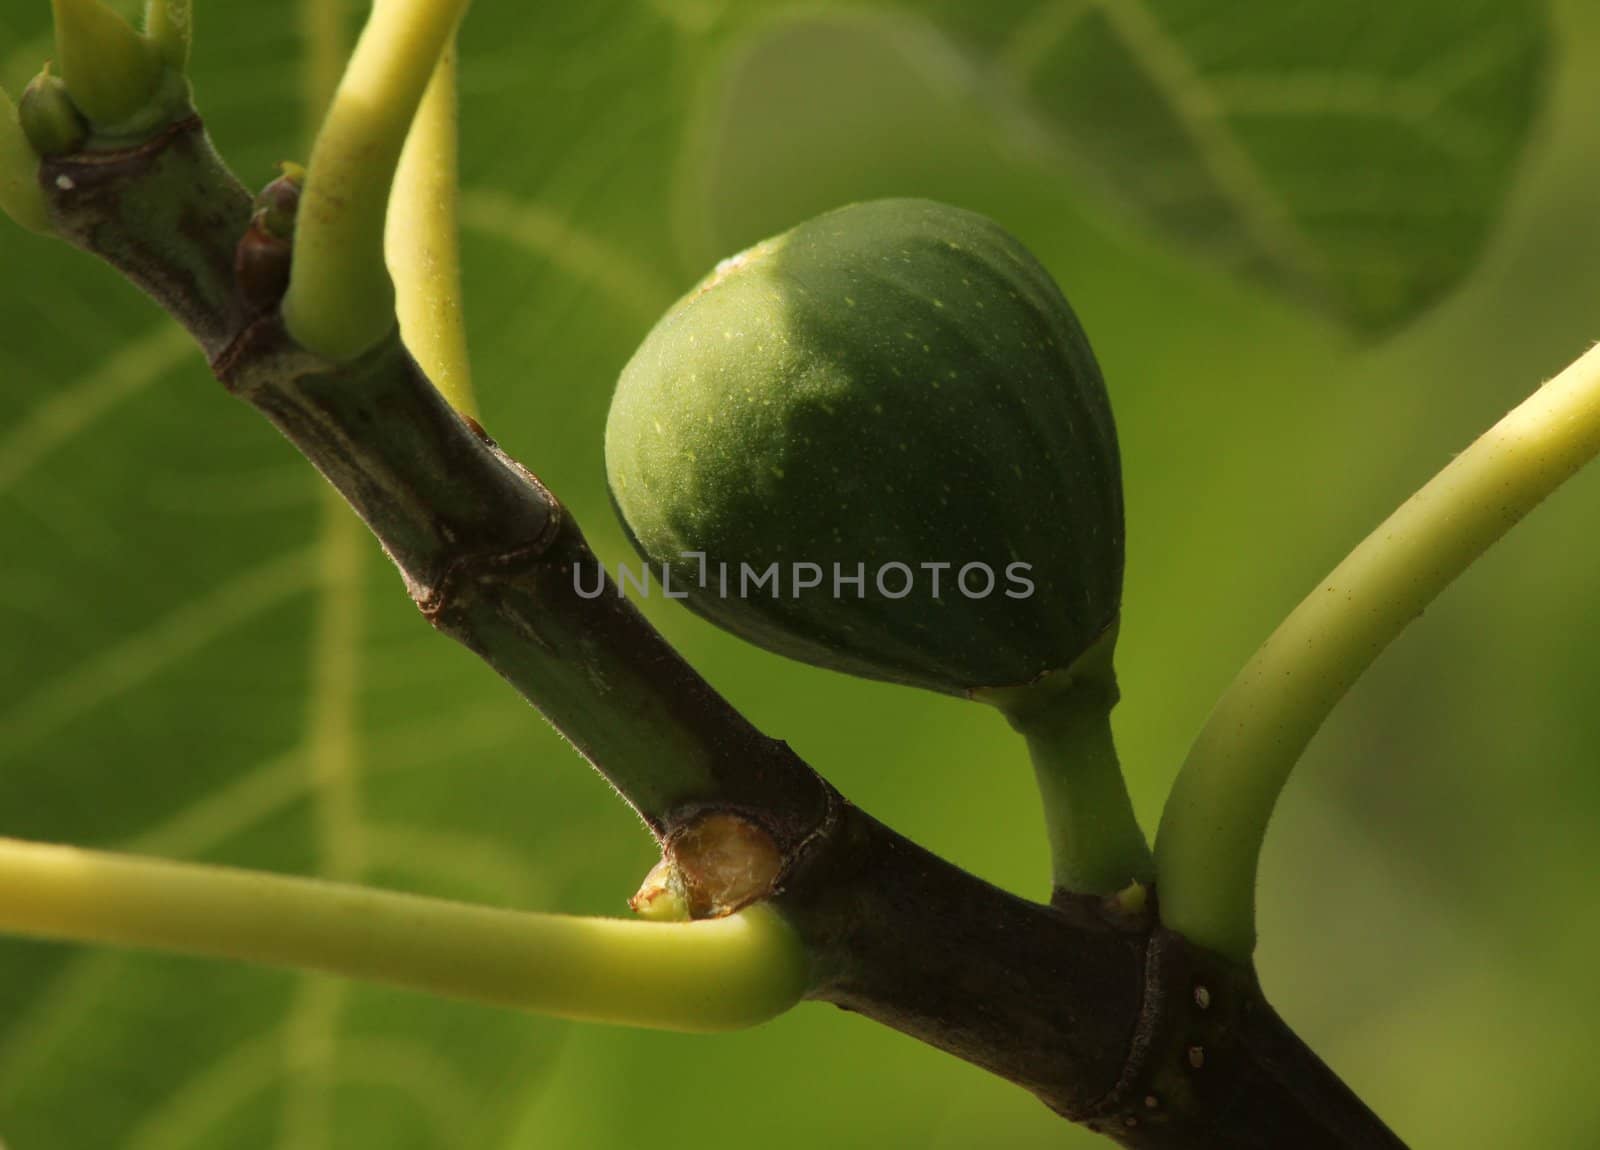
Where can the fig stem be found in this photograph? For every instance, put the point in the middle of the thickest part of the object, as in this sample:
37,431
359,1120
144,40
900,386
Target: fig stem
21,198
322,30
1096,844
340,300
719,974
1209,844
423,244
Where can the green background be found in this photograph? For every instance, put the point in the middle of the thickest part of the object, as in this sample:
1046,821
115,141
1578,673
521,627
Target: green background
1428,891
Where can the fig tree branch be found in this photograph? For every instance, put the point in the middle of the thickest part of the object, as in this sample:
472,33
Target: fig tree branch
1109,1018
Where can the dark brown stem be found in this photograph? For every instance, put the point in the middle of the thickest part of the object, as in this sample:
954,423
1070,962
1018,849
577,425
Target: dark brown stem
1110,1019
1096,1010
493,560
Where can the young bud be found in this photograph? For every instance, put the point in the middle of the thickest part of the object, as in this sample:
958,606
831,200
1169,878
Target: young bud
262,260
661,897
261,267
49,118
710,868
20,195
278,203
111,71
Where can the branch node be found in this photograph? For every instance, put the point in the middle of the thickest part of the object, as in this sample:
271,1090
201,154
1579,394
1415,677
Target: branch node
436,600
111,167
237,365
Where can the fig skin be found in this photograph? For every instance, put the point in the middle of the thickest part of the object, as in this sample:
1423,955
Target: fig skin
897,381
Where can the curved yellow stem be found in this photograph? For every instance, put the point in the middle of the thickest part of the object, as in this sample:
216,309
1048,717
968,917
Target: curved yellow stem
340,299
423,242
701,976
1215,820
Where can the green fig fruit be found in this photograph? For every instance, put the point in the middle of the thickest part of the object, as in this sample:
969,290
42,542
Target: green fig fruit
879,443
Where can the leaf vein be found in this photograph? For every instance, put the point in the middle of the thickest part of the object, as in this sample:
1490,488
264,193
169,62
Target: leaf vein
1268,219
141,657
69,411
536,228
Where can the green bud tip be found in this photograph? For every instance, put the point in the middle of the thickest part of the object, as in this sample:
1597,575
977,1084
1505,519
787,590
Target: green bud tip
21,198
661,897
168,24
49,118
710,867
1132,900
278,203
111,70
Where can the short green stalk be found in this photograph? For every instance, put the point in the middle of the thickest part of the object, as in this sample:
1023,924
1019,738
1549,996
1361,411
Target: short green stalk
340,300
1215,820
21,198
1096,844
719,974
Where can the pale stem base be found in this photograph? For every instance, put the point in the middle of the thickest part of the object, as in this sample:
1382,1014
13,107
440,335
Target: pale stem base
702,976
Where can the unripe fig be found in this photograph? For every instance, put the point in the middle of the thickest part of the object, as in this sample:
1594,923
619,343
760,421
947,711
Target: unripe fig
896,390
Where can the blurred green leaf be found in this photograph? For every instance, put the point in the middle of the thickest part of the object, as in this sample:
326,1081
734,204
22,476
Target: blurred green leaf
163,560
1355,155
